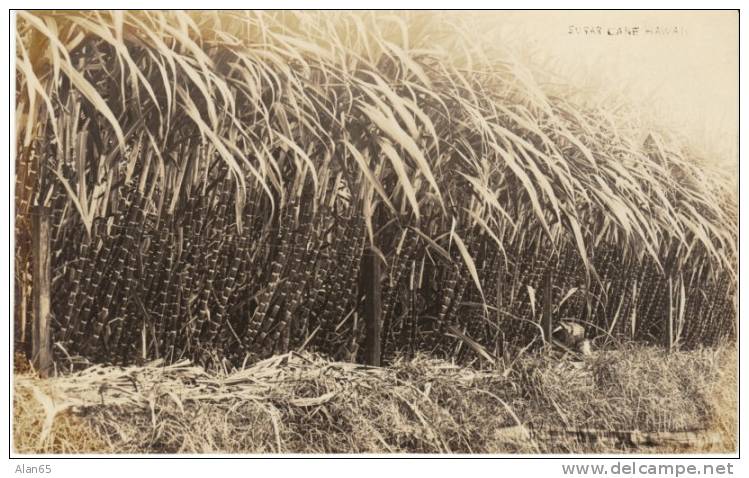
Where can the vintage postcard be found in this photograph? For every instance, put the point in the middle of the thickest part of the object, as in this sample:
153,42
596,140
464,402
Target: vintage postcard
375,232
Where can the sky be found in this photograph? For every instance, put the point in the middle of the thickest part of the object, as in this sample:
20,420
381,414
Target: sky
680,67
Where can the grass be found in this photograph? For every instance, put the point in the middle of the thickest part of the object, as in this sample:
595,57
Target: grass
215,178
305,404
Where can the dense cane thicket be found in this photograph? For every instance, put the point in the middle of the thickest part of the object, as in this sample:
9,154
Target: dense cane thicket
215,178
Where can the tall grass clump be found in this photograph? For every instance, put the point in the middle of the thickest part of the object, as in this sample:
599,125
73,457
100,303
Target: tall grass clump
215,177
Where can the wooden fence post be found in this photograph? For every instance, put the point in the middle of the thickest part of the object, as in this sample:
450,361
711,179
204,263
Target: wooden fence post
546,322
669,339
499,304
372,289
41,349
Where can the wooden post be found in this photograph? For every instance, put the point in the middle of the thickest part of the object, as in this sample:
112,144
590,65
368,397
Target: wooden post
498,303
669,339
41,349
372,289
633,316
546,323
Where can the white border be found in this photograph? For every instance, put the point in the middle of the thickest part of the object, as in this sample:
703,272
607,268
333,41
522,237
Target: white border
309,468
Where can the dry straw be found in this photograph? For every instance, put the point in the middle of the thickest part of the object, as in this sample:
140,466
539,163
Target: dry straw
638,399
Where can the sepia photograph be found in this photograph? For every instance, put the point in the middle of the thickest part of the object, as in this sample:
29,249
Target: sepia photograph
374,233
